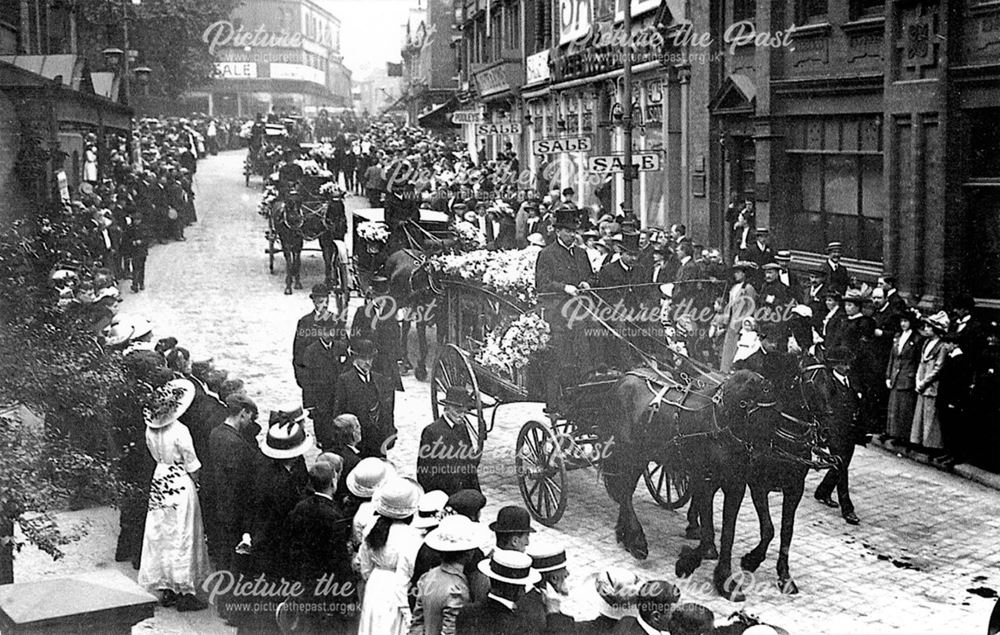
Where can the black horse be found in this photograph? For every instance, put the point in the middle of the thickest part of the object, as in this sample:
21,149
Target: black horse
294,221
774,452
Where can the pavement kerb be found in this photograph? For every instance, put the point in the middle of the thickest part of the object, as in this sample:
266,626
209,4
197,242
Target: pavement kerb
966,470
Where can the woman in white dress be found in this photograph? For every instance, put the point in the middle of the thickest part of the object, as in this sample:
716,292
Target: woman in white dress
386,559
739,305
174,554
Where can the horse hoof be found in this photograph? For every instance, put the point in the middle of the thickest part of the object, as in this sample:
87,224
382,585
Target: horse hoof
710,553
298,285
692,533
750,562
288,291
787,586
687,562
639,552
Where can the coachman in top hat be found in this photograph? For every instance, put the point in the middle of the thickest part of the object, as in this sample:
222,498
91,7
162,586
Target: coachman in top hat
562,272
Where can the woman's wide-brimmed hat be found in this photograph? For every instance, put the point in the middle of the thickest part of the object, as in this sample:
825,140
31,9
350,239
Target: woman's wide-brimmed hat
286,435
512,567
454,533
367,475
856,296
118,334
397,498
940,321
181,393
744,265
429,509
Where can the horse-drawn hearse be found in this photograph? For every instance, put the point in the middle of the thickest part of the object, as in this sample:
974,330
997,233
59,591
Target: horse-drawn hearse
306,209
686,429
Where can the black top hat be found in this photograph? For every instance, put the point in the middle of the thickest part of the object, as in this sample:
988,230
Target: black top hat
512,520
458,396
630,241
567,219
362,348
816,270
319,291
467,502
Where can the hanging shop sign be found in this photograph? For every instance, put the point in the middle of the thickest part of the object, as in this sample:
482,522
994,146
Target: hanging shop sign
643,161
491,129
569,144
467,116
536,67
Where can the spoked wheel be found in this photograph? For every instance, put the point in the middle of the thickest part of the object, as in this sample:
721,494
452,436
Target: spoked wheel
541,473
670,491
453,369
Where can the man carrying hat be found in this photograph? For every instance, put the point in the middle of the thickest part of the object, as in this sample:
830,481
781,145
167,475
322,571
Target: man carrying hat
562,271
368,395
448,458
837,276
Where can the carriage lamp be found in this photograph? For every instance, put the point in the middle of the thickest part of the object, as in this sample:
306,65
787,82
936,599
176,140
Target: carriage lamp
561,125
142,74
528,119
113,56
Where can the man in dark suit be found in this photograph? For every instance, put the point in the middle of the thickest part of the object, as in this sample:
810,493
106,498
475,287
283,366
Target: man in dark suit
897,305
233,468
562,272
308,331
788,278
774,296
656,600
812,295
448,458
318,531
376,321
617,279
510,574
760,253
842,433
837,277
322,363
687,291
370,397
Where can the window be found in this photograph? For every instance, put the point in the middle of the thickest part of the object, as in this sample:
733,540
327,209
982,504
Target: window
744,10
840,195
867,8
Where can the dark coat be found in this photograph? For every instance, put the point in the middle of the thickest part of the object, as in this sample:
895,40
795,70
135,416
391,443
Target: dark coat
775,297
351,460
322,365
684,289
318,534
833,330
205,413
373,403
557,267
233,468
901,371
447,460
599,626
755,254
837,279
385,337
278,491
615,275
856,335
843,426
493,618
307,331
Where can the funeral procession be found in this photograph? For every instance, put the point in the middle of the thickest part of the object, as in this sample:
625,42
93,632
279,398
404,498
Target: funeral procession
500,317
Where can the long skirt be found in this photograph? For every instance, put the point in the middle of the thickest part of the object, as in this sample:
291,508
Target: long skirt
926,429
174,554
899,415
384,610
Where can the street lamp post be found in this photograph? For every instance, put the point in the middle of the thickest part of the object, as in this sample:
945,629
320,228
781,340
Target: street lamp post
629,171
119,59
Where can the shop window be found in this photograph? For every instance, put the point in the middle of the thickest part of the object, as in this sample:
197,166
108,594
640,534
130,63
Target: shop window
812,11
984,143
867,9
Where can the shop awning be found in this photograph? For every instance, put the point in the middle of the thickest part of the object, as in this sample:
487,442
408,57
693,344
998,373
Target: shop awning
439,116
68,70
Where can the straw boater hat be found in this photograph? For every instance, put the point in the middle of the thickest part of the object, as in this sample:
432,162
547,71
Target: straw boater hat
367,475
429,509
286,435
834,247
547,557
397,498
783,256
512,567
182,393
455,533
614,592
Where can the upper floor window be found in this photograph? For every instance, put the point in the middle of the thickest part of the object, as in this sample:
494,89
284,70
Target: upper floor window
744,10
867,8
812,11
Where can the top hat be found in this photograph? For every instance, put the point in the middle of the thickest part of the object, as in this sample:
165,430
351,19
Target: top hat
834,247
512,520
458,396
512,567
319,291
630,242
454,533
467,502
940,321
367,475
784,256
177,395
397,498
429,508
567,219
547,557
362,348
286,437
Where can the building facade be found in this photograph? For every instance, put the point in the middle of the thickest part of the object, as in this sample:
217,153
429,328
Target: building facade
875,123
275,55
430,68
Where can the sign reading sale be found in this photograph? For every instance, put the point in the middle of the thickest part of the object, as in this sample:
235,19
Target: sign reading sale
569,144
490,129
643,161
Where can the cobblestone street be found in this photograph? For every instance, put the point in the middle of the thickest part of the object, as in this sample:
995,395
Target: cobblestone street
925,558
